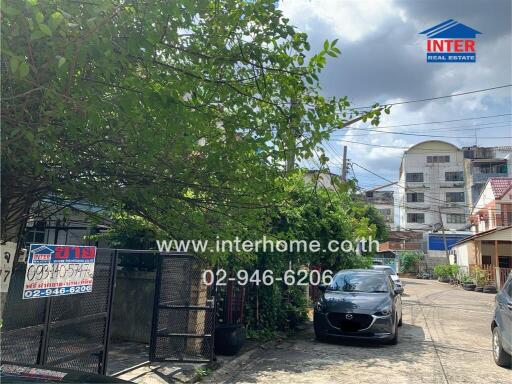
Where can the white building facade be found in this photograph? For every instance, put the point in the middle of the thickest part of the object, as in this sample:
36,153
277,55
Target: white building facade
431,187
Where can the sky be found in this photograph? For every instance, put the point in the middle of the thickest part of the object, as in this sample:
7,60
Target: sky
383,59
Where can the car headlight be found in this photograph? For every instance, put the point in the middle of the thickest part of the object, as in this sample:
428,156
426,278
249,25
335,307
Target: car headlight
320,306
384,312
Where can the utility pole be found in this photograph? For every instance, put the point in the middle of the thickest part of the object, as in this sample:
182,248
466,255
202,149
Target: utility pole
444,234
344,168
292,140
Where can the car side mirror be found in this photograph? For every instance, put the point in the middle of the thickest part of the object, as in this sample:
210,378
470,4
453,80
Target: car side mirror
322,287
399,290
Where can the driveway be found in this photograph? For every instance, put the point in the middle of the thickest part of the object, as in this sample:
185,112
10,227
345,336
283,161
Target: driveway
445,338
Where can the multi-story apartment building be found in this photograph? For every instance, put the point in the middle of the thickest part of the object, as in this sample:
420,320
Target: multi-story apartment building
383,201
482,163
431,187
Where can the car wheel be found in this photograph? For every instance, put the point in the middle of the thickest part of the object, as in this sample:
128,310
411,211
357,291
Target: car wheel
394,340
501,357
319,334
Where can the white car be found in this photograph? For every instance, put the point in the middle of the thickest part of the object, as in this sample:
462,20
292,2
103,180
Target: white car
391,272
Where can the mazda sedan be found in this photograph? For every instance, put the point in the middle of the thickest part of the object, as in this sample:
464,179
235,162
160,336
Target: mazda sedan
361,304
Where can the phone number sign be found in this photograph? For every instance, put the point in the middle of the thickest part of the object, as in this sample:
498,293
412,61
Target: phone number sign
56,270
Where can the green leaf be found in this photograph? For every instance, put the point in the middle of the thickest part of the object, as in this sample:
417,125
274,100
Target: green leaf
36,35
39,17
14,63
55,19
326,45
61,62
24,69
10,11
333,43
45,29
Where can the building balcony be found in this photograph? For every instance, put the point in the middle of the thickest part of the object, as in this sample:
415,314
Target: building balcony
483,177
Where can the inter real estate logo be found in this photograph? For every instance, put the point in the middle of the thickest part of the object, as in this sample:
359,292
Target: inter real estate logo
451,42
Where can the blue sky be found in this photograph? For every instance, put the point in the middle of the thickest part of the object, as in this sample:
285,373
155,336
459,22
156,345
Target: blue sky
383,60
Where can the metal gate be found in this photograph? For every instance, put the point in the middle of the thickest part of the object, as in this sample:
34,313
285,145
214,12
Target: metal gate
63,331
184,311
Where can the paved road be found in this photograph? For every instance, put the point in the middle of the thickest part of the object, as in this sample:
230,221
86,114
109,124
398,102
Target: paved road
445,339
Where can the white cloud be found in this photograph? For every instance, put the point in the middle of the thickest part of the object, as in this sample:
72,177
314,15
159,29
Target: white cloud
350,19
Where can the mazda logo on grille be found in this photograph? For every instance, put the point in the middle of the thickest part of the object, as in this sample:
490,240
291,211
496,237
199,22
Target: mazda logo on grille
348,316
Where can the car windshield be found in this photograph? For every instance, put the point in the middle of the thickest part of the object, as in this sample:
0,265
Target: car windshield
387,270
359,282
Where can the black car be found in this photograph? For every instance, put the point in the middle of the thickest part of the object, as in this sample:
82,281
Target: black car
501,326
360,304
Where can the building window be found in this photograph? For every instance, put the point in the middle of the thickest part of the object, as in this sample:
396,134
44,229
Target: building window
415,217
504,261
415,197
438,159
454,197
454,176
36,233
486,260
385,211
414,177
369,194
456,218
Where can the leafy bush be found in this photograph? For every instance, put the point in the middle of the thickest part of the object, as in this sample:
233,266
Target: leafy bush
446,270
479,277
465,278
409,260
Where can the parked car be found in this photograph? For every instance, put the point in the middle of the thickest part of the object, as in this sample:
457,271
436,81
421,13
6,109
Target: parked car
391,272
361,304
501,326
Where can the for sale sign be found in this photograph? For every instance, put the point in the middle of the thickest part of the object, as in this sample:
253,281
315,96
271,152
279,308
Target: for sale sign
55,270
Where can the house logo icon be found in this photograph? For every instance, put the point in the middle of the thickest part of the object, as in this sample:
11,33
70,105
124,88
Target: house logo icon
451,42
41,254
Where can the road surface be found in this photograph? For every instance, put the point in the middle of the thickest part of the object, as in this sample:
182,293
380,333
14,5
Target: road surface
445,338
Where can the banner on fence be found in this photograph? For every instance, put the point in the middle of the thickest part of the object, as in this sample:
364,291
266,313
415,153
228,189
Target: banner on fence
56,270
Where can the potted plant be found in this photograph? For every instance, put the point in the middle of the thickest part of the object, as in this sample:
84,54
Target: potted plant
479,278
453,273
229,339
467,282
489,288
442,271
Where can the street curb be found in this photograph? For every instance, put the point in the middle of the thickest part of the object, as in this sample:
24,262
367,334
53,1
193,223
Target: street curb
239,362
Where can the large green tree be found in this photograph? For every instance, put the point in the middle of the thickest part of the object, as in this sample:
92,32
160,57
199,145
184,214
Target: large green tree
182,112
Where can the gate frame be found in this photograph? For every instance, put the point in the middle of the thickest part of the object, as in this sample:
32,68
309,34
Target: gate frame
46,326
157,307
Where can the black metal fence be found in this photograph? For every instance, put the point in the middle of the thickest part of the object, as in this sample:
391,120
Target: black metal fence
184,311
63,331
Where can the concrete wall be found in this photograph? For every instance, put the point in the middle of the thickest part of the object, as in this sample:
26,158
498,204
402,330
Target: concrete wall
465,254
133,306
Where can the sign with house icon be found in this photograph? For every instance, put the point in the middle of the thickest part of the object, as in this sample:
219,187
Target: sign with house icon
55,270
451,42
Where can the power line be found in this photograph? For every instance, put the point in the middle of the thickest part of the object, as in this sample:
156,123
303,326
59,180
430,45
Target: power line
425,135
438,97
412,190
455,128
446,121
372,145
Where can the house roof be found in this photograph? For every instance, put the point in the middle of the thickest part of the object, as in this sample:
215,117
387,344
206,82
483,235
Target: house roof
43,249
482,234
500,186
450,29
